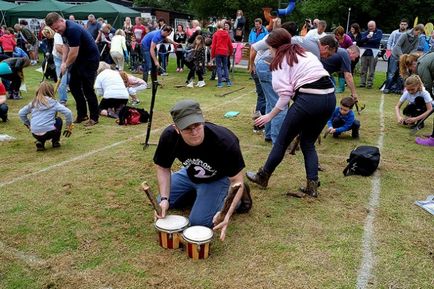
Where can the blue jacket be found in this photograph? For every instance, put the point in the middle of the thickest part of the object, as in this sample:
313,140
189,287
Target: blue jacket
373,42
349,119
18,52
255,38
43,117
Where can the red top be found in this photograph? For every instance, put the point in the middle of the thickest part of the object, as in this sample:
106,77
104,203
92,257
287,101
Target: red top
139,32
221,44
8,43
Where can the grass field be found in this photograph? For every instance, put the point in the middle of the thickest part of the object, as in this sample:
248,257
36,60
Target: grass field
75,217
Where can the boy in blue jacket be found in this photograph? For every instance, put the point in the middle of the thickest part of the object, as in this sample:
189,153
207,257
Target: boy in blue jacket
343,119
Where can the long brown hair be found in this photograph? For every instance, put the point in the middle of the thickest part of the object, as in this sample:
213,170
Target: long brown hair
45,90
201,44
280,39
405,61
124,77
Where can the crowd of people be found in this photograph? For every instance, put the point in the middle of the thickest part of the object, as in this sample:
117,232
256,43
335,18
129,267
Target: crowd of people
292,73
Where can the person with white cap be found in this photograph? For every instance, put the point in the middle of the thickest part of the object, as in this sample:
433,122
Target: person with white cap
212,162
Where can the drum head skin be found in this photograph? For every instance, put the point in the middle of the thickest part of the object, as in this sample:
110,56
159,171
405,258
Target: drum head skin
172,223
198,234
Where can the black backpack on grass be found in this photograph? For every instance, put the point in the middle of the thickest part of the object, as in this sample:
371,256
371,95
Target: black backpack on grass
363,161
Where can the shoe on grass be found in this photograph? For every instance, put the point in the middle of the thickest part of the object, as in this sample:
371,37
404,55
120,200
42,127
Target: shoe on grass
201,83
39,146
90,122
425,141
56,144
81,119
190,84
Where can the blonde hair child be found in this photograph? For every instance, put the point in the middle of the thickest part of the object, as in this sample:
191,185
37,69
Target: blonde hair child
45,124
419,101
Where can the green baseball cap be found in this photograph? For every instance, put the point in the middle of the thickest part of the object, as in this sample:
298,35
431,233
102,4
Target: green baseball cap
185,113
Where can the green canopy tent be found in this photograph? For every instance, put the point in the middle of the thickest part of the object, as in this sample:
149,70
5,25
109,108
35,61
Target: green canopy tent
37,9
113,13
5,6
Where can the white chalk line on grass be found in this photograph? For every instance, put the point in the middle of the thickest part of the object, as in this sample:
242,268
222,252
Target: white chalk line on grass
32,260
88,154
368,241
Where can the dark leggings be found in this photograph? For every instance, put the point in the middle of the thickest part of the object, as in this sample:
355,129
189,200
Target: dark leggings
194,69
307,117
180,59
54,134
416,108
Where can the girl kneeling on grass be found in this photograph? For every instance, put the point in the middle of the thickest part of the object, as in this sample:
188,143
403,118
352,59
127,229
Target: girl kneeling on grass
44,124
419,102
111,87
133,85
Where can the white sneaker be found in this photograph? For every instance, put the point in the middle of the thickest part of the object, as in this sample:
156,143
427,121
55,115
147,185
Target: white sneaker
190,84
200,83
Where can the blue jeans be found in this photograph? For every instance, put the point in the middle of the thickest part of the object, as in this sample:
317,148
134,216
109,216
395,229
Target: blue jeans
260,101
147,63
264,74
222,68
307,117
209,197
393,80
63,95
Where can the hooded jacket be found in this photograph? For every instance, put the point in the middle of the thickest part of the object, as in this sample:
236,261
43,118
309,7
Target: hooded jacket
8,42
407,43
221,44
44,117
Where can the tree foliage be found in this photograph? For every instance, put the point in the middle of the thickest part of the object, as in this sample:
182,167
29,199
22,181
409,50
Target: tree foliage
387,14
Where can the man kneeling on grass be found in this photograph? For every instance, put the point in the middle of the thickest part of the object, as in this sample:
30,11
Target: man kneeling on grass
343,119
212,162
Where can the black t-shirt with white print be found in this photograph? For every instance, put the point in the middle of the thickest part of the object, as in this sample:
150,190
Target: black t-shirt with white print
218,156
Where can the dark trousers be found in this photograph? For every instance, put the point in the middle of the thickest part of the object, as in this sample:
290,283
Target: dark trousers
54,135
4,111
114,103
339,121
416,108
180,59
15,81
193,70
307,117
260,101
81,82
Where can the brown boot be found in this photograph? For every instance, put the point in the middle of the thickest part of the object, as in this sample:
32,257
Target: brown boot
311,188
246,200
260,178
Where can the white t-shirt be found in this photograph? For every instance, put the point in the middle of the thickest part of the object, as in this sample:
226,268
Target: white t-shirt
313,33
118,44
109,84
59,41
410,98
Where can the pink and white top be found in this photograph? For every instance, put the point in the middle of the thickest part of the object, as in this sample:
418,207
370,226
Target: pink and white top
287,80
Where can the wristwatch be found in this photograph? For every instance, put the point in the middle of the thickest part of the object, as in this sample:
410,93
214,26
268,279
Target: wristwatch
164,198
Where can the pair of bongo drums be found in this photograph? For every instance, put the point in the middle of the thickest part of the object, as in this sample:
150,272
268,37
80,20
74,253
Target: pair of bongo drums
174,232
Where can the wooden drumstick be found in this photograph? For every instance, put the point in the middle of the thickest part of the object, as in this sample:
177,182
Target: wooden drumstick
228,201
150,196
